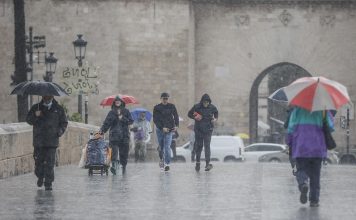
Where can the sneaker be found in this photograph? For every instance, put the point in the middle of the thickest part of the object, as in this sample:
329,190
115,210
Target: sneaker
197,167
40,182
48,187
113,170
303,193
161,164
314,204
208,167
166,168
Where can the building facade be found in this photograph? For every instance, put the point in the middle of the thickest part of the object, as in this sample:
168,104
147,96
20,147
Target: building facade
230,49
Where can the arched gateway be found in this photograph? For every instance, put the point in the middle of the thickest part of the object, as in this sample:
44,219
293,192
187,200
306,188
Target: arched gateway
280,74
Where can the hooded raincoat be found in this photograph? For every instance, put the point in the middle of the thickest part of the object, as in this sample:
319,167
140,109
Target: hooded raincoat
305,134
205,125
119,128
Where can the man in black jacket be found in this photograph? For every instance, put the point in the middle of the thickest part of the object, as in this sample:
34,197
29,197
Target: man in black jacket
118,121
205,114
49,123
166,119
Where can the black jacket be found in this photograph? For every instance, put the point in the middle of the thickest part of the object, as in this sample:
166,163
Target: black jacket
205,125
119,128
48,127
165,116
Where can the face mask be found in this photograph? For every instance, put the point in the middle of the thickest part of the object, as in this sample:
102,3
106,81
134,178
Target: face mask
48,105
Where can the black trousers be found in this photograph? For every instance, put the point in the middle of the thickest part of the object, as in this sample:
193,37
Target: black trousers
45,158
202,140
120,151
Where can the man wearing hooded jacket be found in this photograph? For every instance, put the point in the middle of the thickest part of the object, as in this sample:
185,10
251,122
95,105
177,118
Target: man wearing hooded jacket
204,114
49,123
118,121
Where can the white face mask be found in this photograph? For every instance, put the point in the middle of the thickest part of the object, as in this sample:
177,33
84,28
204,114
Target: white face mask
48,105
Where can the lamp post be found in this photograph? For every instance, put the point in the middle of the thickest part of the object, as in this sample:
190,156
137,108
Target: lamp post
32,43
79,52
79,49
51,64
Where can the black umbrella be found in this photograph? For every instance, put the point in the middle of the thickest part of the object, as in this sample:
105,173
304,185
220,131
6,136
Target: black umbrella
39,88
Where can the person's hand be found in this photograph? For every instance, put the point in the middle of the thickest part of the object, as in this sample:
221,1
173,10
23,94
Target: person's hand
175,128
166,130
214,120
198,117
38,113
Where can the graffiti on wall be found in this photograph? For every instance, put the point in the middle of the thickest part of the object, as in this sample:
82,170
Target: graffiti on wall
80,80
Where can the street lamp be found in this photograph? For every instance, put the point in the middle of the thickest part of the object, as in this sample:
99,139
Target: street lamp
79,49
51,64
79,52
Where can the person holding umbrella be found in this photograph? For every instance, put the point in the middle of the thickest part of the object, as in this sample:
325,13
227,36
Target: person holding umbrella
166,119
204,114
49,123
312,100
142,129
118,121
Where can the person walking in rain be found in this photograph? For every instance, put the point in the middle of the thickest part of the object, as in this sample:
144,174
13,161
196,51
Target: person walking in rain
166,119
306,139
49,123
118,121
142,135
204,114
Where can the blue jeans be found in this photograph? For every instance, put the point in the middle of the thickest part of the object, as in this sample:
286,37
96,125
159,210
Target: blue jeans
309,168
164,141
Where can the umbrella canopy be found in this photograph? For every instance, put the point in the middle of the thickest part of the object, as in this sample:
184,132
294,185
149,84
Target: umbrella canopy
126,98
314,94
135,113
39,88
243,135
279,95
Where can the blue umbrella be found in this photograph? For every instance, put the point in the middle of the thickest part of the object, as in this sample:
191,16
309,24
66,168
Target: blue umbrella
279,95
135,113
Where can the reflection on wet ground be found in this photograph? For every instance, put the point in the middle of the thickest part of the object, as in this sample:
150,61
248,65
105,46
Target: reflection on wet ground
229,191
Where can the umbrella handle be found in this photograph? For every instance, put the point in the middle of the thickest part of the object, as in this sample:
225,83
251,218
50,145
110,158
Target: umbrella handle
38,105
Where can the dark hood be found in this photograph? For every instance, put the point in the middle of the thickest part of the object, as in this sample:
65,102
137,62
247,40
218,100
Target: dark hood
205,97
118,99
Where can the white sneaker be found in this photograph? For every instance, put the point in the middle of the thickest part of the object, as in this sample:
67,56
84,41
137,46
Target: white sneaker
161,164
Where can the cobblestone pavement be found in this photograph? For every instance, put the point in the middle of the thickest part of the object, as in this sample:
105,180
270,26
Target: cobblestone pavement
230,191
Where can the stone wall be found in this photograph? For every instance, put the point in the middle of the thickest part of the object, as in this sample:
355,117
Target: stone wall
187,47
16,147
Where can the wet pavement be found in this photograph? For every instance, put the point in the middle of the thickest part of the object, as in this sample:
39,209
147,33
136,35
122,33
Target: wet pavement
230,191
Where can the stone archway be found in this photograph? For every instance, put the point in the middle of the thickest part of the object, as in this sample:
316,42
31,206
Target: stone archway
283,74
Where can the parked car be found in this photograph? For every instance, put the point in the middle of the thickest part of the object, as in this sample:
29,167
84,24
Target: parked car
223,148
283,156
254,151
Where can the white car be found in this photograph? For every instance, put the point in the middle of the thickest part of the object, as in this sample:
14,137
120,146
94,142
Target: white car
222,148
254,151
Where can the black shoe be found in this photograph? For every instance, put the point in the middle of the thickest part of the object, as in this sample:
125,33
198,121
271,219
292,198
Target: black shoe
166,168
113,170
197,167
48,187
208,167
314,204
123,169
40,182
304,193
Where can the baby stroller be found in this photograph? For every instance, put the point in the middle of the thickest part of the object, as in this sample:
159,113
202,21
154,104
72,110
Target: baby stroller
98,155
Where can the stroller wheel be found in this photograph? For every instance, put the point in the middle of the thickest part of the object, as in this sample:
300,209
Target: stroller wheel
101,171
90,172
